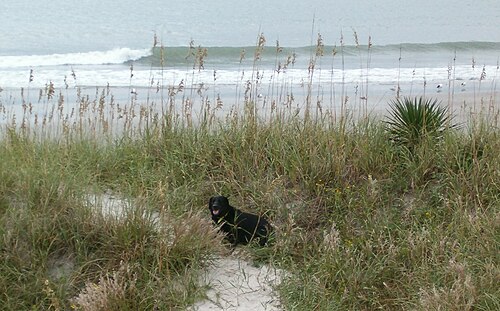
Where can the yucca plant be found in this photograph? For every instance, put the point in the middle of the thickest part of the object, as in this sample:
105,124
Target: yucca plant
411,120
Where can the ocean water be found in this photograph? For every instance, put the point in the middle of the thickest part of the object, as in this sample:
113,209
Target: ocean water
369,48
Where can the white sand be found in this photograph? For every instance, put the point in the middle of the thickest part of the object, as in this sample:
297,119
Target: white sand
237,285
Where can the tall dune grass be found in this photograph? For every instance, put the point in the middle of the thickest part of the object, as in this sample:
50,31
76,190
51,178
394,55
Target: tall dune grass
360,224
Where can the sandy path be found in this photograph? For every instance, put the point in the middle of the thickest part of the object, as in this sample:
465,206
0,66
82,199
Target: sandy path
237,285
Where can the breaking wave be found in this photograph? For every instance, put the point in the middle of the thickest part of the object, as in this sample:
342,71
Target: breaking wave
115,56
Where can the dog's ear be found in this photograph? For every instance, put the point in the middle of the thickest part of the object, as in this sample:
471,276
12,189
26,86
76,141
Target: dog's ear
225,201
211,201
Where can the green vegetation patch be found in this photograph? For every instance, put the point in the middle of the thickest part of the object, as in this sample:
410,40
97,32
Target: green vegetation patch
360,224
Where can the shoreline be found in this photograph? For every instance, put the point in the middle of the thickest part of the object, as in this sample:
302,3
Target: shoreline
121,107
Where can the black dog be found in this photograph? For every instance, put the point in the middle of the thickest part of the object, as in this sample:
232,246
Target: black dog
240,227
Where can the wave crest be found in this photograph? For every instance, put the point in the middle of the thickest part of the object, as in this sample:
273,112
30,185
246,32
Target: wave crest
115,56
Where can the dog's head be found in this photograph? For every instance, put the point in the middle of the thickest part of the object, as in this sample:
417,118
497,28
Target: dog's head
219,206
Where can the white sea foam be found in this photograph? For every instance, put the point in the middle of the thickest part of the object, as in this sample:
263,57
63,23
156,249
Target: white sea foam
119,75
115,56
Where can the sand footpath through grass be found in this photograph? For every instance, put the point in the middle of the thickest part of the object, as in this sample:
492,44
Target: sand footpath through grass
237,285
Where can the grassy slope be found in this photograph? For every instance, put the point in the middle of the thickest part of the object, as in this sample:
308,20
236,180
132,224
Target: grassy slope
360,224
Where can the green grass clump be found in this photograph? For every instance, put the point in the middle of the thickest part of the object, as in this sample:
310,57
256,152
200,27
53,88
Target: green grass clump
58,254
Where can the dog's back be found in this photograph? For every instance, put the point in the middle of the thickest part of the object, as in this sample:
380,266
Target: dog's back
250,226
